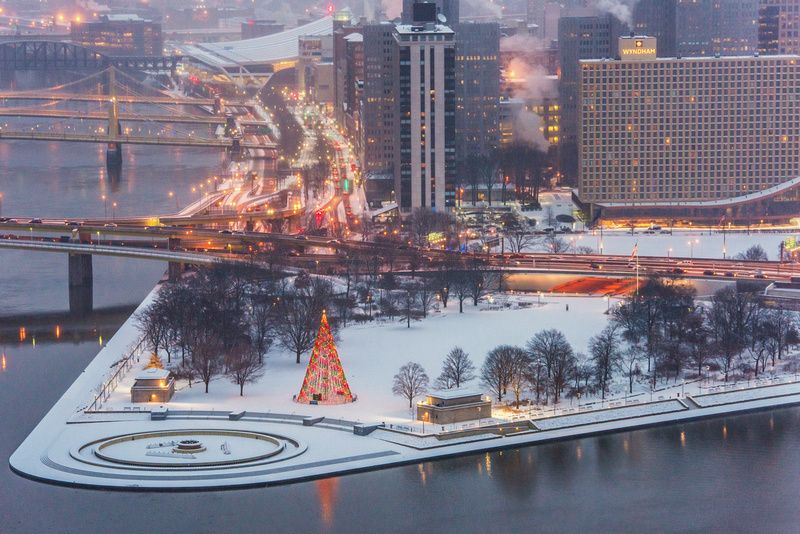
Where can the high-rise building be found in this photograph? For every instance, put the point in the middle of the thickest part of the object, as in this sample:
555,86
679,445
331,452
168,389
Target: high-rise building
477,87
120,35
580,38
416,10
657,18
469,71
675,137
348,58
710,27
779,27
377,113
425,153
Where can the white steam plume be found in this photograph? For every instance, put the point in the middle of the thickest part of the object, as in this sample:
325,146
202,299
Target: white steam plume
622,9
536,87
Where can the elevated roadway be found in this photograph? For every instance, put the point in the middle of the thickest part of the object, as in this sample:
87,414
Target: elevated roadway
50,95
132,140
130,117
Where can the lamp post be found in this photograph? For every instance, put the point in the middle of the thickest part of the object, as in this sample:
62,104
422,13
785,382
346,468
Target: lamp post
114,211
105,207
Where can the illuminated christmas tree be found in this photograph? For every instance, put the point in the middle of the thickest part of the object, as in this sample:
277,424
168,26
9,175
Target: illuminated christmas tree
325,382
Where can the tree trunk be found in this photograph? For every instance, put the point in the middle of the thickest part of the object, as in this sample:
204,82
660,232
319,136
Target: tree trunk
241,389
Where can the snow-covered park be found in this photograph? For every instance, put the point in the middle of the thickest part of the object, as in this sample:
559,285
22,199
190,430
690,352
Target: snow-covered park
371,354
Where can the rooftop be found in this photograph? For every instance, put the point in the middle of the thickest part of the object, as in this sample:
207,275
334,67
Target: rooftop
153,373
455,393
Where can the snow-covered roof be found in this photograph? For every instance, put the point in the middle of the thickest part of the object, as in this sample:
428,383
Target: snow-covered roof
153,373
273,48
123,17
774,190
455,393
354,38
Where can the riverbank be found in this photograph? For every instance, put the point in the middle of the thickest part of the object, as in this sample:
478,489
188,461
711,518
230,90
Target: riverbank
319,441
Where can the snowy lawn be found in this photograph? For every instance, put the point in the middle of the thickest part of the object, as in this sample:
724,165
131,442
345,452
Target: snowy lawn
614,414
372,353
742,395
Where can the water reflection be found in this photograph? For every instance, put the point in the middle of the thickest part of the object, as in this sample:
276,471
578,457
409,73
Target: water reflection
327,490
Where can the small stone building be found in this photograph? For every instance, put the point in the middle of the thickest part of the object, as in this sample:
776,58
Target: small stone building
153,385
453,406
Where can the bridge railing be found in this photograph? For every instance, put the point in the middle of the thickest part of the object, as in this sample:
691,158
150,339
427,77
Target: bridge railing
110,385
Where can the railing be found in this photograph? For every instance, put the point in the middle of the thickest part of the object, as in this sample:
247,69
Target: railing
108,387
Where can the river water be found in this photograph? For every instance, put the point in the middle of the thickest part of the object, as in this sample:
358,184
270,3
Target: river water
727,475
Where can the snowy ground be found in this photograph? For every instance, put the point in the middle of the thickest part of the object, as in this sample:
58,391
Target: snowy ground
371,354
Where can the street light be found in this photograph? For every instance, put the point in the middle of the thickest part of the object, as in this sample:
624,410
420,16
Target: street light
105,207
114,211
691,245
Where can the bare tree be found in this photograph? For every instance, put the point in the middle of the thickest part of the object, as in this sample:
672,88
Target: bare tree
502,366
263,304
456,370
487,166
299,313
408,304
460,287
630,364
731,319
206,360
410,382
605,355
519,238
426,295
519,372
555,245
152,324
754,253
244,365
554,351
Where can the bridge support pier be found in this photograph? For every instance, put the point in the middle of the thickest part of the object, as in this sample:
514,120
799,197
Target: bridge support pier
114,155
81,293
176,270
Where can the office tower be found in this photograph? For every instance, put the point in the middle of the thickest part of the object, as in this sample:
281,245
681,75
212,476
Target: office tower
377,115
477,87
779,27
425,154
660,136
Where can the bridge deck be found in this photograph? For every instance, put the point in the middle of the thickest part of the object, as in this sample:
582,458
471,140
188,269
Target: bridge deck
127,252
133,117
131,140
44,95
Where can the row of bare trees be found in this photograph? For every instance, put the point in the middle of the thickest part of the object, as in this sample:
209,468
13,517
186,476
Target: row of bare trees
225,319
549,368
519,166
665,328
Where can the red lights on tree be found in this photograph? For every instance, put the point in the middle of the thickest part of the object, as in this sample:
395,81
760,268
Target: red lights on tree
325,382
330,8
